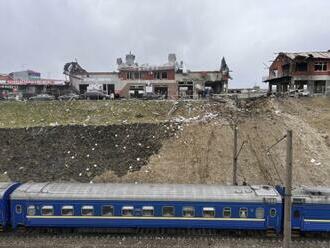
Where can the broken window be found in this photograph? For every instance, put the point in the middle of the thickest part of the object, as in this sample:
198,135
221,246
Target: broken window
157,75
129,75
320,66
319,87
164,75
301,66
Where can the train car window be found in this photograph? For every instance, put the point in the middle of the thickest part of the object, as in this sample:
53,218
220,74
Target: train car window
18,209
243,212
47,210
168,211
148,211
272,212
226,212
108,210
188,211
260,213
208,212
67,210
127,211
296,214
87,210
31,210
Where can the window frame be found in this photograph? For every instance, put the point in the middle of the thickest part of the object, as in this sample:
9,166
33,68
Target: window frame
185,209
272,214
127,208
225,209
47,207
87,207
209,209
31,208
243,210
18,209
257,213
65,207
322,64
110,206
157,75
171,215
164,73
148,208
301,66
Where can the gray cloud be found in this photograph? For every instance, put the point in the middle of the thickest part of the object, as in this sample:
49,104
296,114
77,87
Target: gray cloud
43,35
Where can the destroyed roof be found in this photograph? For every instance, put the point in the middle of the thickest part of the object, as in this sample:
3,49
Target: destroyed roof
316,55
145,67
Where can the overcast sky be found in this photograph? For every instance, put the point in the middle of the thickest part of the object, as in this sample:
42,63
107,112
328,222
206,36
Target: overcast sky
44,35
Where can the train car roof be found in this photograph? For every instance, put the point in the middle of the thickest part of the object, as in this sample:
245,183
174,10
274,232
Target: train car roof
155,192
305,194
3,188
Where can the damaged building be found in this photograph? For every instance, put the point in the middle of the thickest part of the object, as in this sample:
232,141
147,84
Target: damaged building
303,71
170,80
29,83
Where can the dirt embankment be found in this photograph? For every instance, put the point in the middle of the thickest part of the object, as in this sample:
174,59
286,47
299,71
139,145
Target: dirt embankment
202,152
77,152
195,147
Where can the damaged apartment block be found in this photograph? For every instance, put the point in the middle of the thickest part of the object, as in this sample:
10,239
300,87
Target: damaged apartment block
307,72
170,80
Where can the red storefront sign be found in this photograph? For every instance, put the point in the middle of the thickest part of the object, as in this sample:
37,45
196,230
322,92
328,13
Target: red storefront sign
33,82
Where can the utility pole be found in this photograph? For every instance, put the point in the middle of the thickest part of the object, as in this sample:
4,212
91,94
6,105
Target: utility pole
288,189
235,156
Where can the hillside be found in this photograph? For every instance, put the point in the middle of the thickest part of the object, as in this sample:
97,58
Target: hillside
190,145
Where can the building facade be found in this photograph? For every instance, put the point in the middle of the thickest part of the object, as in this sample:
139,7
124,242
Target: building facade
29,83
306,71
170,80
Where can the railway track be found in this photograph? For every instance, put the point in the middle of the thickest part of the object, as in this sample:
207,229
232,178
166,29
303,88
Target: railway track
150,238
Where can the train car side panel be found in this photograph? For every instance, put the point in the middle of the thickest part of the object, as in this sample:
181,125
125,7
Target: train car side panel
146,214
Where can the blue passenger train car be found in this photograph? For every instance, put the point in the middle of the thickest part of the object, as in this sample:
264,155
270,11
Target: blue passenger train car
5,190
311,209
146,206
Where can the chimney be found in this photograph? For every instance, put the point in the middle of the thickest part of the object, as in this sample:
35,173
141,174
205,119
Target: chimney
130,59
172,58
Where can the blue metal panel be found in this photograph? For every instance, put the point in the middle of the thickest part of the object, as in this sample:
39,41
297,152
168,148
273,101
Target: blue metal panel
5,205
235,222
313,217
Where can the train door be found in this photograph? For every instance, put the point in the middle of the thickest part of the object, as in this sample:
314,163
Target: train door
296,218
272,218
